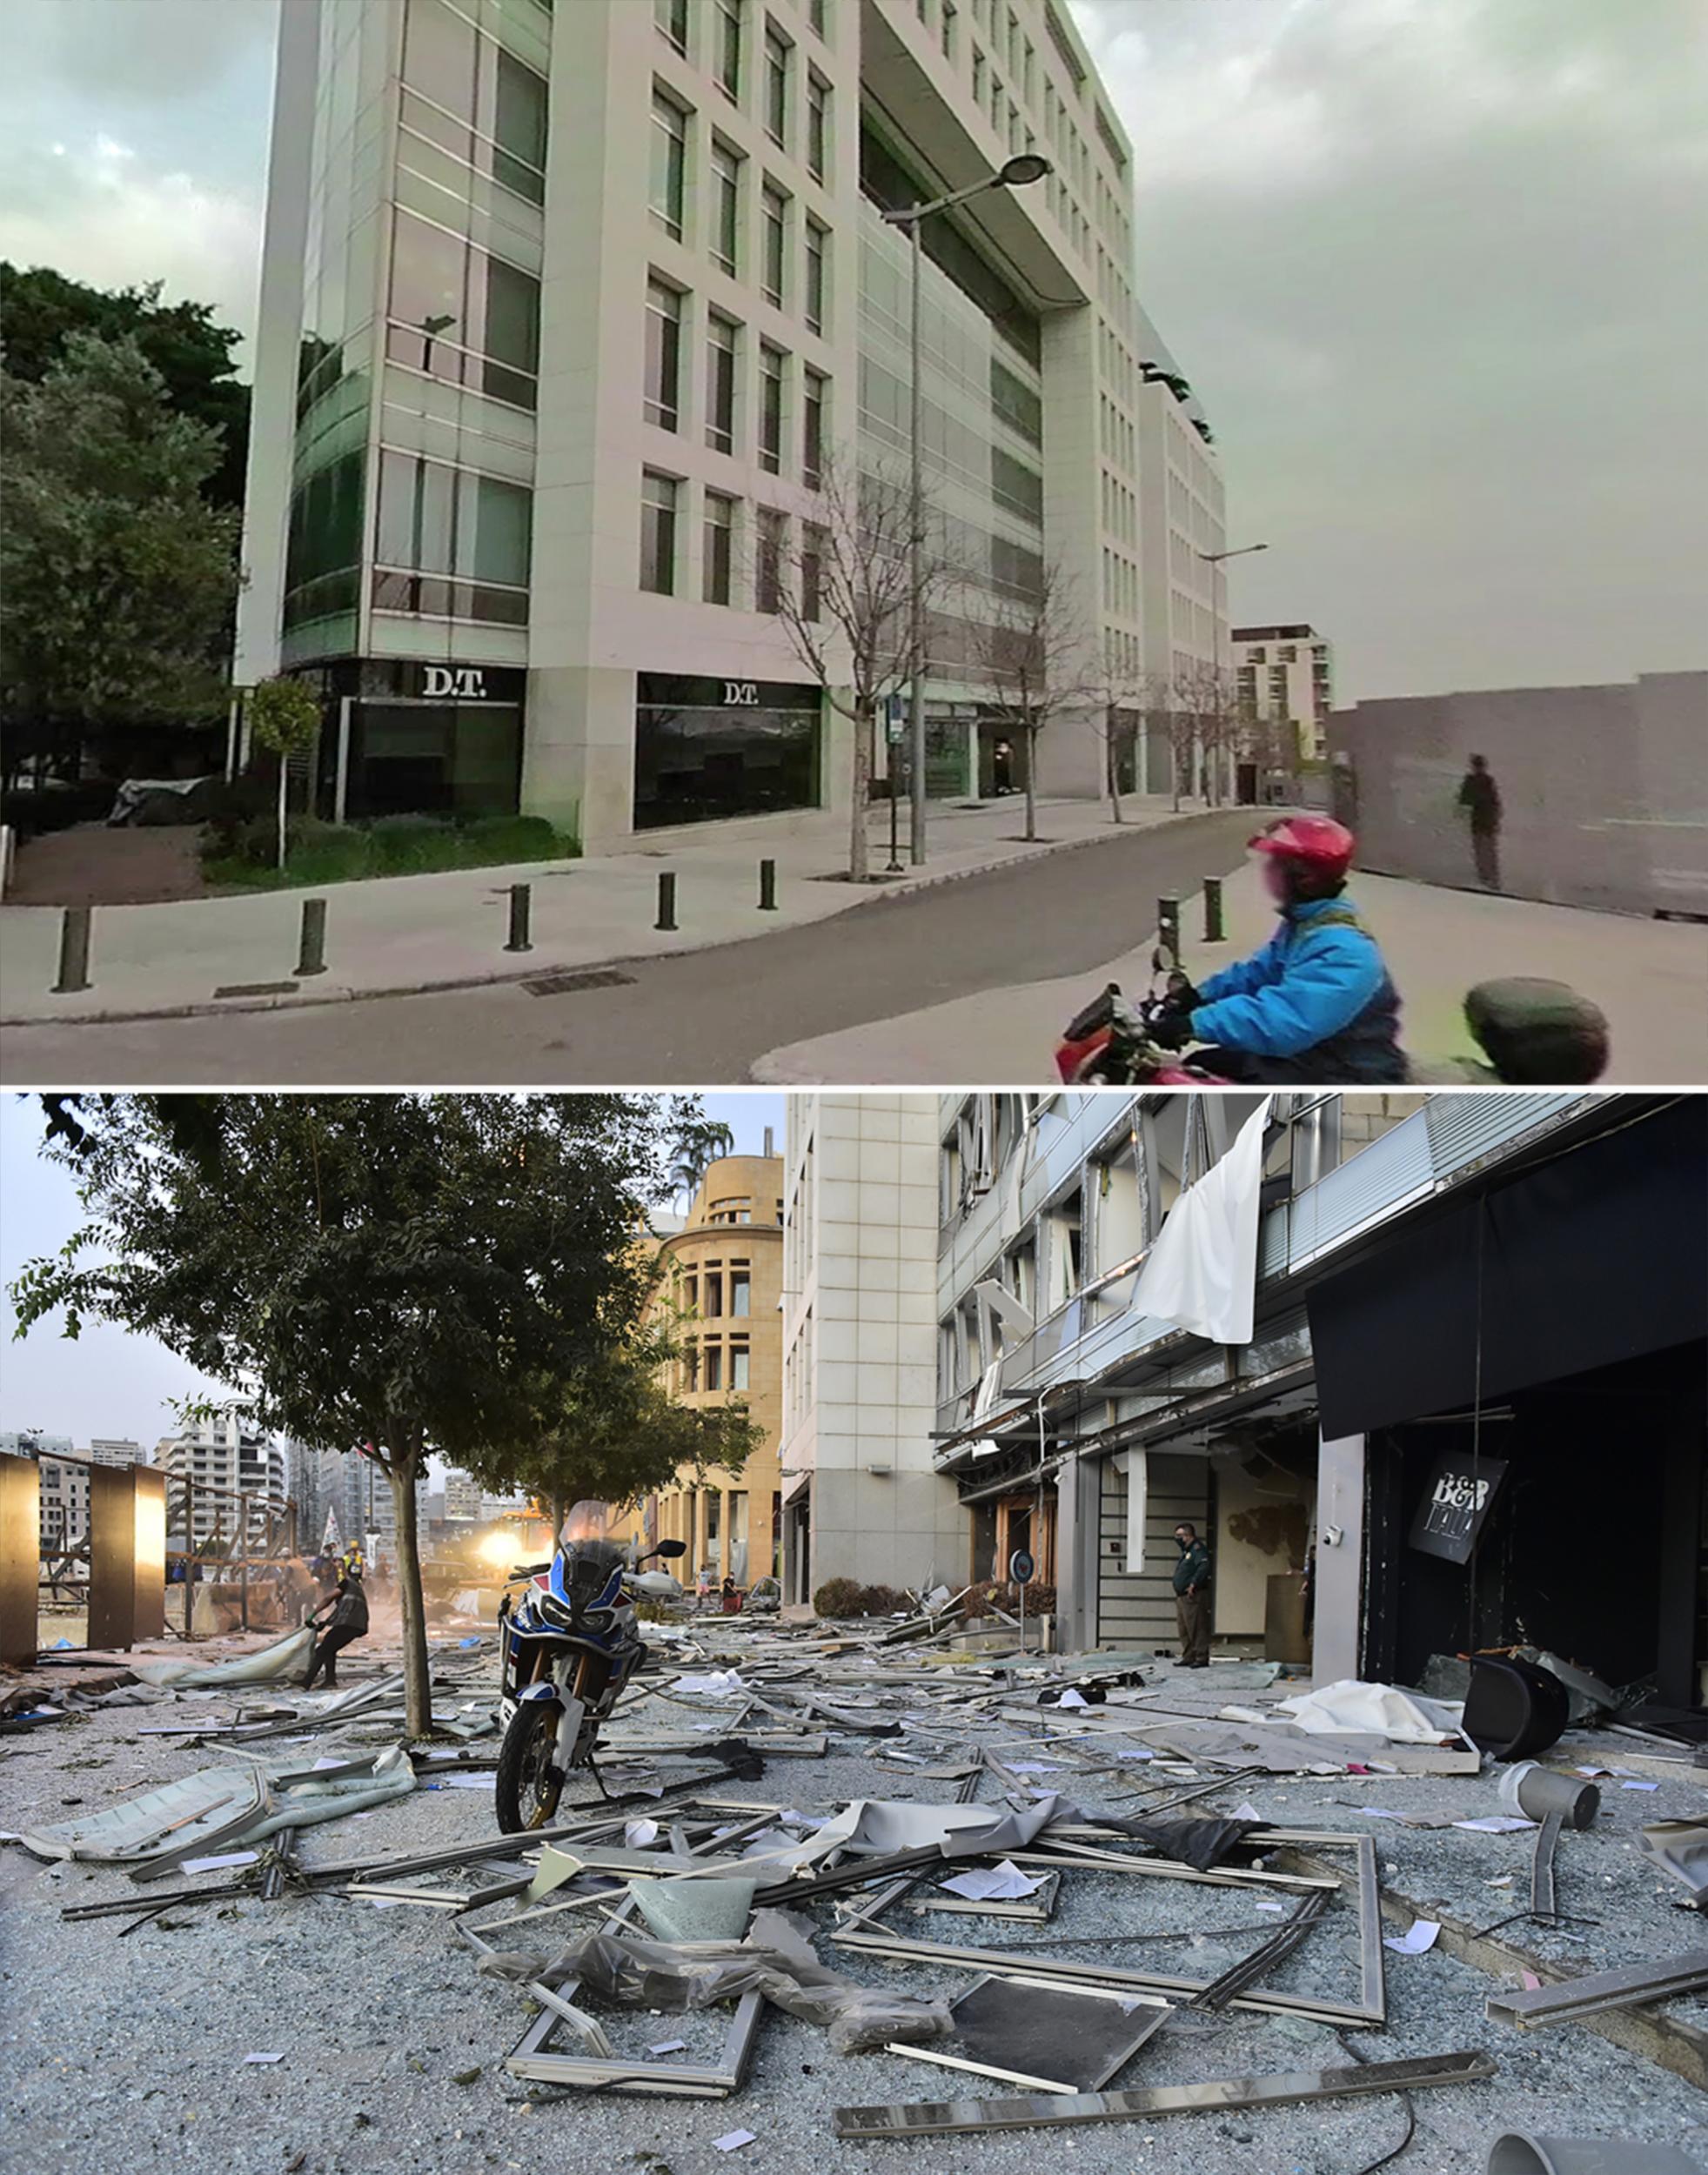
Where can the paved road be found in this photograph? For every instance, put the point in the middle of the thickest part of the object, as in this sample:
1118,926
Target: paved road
701,1019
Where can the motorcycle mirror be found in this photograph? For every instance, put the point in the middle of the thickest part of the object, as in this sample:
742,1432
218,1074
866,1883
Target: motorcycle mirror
671,1547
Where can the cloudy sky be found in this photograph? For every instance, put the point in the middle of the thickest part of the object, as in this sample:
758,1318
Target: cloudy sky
112,1383
1434,266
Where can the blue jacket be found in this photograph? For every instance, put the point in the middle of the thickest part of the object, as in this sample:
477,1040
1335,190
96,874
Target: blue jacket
1318,990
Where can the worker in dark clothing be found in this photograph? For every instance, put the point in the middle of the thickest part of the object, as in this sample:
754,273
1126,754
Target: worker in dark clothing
349,1621
1192,1596
1479,797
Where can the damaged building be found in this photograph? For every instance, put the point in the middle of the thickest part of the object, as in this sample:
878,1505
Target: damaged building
1469,1412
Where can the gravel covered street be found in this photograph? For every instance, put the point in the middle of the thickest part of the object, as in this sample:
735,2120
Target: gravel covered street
131,2048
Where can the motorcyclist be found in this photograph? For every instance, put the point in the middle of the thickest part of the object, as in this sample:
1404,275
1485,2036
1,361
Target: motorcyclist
1317,1005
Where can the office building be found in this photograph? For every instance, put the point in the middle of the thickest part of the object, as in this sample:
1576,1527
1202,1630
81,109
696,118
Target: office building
862,1499
209,1467
565,314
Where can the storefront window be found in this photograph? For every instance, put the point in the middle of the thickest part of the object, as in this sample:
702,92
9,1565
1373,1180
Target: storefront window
699,757
434,758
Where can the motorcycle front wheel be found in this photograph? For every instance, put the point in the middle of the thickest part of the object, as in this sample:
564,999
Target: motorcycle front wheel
529,1783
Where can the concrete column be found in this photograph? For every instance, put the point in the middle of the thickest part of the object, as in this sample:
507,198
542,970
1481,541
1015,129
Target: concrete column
1337,1638
1078,1485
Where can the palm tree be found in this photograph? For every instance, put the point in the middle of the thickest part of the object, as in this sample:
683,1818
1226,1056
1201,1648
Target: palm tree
697,1147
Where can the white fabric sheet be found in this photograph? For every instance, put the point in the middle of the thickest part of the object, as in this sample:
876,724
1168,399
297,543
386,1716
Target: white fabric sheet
1201,1272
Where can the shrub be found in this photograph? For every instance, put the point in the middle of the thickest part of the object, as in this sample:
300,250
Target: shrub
880,1601
838,1598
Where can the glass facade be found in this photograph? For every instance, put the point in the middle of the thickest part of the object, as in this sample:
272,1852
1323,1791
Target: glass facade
705,749
450,543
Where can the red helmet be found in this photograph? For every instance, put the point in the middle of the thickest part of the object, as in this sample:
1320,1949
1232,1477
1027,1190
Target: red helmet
1321,848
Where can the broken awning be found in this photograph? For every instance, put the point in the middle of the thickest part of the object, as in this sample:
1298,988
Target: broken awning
1598,1255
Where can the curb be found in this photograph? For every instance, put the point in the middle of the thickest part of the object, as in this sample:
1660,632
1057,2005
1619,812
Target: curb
876,896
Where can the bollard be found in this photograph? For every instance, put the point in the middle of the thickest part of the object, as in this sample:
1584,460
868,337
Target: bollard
1167,928
73,952
521,899
1214,931
667,901
768,887
312,956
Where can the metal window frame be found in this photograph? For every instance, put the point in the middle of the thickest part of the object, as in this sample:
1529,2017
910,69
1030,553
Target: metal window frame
533,2058
862,1931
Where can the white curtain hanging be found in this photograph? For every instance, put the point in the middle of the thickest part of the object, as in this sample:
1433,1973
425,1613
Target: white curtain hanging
1201,1272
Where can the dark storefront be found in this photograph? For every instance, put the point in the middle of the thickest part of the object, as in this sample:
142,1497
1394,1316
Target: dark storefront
1539,1358
709,749
419,739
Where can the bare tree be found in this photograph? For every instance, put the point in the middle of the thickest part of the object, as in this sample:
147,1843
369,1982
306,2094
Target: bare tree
1212,725
1037,663
842,585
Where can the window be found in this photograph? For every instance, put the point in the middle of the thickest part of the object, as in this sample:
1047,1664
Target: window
714,1370
714,1296
664,355
768,562
812,574
818,126
691,1369
690,1293
717,554
770,409
738,1366
726,64
451,544
776,85
812,431
462,314
672,17
658,534
815,15
741,1291
774,228
978,81
725,207
813,305
948,23
720,385
670,141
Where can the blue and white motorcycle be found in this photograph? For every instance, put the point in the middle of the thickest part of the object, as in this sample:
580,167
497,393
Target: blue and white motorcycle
571,1644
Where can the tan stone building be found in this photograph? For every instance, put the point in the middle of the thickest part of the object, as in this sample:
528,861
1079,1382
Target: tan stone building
723,1274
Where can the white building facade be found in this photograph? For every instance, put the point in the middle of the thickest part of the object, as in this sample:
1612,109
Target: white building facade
860,1497
1286,679
208,1465
564,313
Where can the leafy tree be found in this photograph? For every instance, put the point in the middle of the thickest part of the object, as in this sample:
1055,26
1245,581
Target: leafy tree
696,1147
42,309
117,577
283,716
403,1273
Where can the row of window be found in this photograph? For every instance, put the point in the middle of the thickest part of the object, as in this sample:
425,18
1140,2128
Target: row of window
715,1365
731,364
471,96
703,1295
729,233
777,572
725,60
459,313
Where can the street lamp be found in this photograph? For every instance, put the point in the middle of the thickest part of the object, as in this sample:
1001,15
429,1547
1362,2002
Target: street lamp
1216,559
1018,173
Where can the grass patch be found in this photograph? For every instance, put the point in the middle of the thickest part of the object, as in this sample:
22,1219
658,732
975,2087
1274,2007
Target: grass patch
243,857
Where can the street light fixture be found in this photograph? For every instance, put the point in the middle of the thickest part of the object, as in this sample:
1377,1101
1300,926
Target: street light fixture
1018,173
1216,558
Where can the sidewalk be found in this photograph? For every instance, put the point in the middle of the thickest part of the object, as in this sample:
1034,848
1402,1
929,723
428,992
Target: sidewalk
1651,979
387,936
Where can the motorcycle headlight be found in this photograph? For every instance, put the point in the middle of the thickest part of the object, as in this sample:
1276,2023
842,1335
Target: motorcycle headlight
596,1620
554,1612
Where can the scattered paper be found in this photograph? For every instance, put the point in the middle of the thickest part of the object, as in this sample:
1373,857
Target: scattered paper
637,1833
1418,1936
667,2046
385,1903
1146,1755
1593,1771
733,2139
722,1684
1071,1698
1029,1767
326,1759
1496,1824
1264,1905
212,1864
1381,1812
464,1782
264,2058
1246,1811
1000,1883
1532,1984
1640,1785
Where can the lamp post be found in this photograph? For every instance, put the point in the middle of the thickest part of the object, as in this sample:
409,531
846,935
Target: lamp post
1216,560
1017,173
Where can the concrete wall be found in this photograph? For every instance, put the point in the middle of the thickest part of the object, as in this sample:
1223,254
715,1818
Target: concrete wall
1603,790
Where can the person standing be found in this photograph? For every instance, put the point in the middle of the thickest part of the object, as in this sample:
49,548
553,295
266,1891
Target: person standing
349,1621
1479,796
1192,1596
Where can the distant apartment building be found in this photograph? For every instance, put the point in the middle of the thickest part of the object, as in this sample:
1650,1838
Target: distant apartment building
208,1466
64,1488
566,313
862,1498
463,1497
721,1277
1079,1426
1284,680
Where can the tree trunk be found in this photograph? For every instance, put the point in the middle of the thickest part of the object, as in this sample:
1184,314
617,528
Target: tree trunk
403,1474
1113,772
284,782
1031,780
863,793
